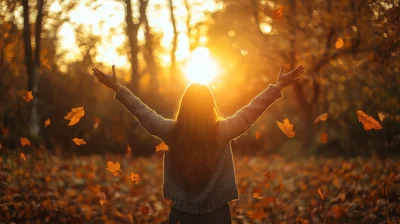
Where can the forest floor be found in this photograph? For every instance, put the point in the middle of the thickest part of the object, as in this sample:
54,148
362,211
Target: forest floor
53,189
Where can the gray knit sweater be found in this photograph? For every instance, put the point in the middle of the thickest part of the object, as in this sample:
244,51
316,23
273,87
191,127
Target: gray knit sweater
222,187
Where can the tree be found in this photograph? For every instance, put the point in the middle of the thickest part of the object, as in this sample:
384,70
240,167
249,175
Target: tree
132,29
33,64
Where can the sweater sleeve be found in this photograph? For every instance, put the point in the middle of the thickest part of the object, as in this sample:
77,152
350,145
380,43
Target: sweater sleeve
154,123
237,124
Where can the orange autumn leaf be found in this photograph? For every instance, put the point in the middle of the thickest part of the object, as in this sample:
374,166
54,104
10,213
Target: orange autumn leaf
22,156
102,197
79,141
339,43
287,128
258,134
96,122
324,137
278,12
4,131
368,121
75,115
162,147
47,122
320,193
321,117
135,178
28,96
257,196
128,151
145,210
114,168
169,202
381,116
25,141
266,175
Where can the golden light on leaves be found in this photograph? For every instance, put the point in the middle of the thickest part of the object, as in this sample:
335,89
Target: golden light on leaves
28,96
257,196
368,121
135,178
47,122
79,141
287,128
22,156
278,13
102,197
25,141
321,194
75,115
324,137
114,168
321,117
339,43
161,147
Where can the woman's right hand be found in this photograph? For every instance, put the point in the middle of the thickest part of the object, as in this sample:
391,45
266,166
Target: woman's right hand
288,78
110,81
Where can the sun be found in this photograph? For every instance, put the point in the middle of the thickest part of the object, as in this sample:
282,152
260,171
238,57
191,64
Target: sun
201,66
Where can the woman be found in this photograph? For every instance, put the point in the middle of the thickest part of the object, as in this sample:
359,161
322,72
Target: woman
199,174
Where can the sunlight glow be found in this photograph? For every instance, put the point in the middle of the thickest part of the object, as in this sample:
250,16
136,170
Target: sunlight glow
201,67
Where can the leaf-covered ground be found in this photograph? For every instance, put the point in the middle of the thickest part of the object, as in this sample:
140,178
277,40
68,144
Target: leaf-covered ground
53,189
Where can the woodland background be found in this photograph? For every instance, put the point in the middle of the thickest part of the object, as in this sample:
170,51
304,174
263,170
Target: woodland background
351,52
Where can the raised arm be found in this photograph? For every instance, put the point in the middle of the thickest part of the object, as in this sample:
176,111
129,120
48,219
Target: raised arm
237,124
154,123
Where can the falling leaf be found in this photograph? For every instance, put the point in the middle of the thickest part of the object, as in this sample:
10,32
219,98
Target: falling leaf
161,147
286,128
102,197
145,210
321,117
324,137
128,152
25,141
381,116
114,168
22,156
257,196
4,131
368,121
320,193
47,122
258,134
135,178
28,96
79,141
278,13
96,122
75,115
339,43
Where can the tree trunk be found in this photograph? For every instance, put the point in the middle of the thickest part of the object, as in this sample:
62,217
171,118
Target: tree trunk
173,72
152,66
132,31
33,66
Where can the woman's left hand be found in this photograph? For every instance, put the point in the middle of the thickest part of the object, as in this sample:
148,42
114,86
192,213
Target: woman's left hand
288,78
110,81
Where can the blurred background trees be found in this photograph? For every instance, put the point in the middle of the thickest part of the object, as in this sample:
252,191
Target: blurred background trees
350,50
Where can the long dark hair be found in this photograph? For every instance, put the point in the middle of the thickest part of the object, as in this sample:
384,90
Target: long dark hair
193,146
